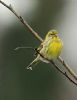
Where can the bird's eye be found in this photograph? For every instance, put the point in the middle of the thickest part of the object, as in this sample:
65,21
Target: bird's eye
52,34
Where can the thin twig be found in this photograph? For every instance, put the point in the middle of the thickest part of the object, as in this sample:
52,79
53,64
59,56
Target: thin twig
38,37
22,20
24,48
68,68
62,72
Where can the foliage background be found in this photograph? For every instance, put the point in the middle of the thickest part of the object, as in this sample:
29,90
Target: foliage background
44,82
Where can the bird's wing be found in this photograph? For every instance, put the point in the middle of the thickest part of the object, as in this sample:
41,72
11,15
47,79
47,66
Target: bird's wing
39,48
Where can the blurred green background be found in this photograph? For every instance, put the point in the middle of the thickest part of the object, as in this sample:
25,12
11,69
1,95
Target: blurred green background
43,82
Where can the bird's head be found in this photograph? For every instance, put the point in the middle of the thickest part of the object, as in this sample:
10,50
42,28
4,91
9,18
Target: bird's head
51,33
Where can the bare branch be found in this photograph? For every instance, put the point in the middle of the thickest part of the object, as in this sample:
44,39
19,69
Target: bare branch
22,20
68,68
62,72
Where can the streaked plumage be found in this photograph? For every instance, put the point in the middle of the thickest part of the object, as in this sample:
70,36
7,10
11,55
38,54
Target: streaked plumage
50,48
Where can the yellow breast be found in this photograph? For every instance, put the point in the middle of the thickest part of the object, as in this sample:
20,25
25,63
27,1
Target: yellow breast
54,48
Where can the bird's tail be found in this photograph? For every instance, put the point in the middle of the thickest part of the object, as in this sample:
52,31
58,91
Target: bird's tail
34,62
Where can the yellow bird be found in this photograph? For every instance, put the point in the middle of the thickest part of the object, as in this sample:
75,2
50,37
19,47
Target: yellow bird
50,48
